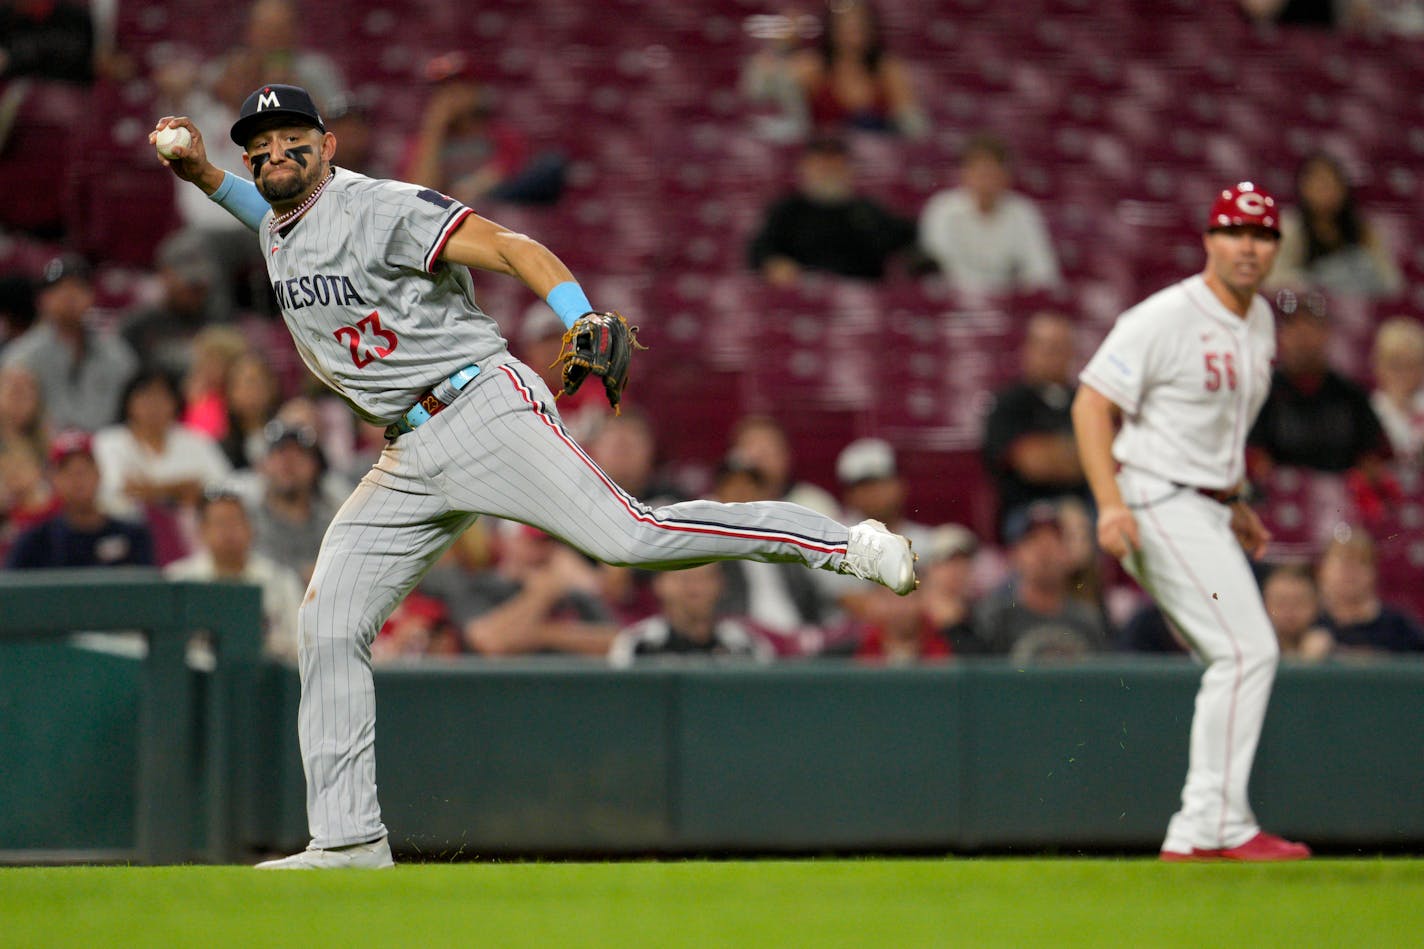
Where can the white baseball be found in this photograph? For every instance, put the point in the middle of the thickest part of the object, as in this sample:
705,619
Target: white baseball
175,136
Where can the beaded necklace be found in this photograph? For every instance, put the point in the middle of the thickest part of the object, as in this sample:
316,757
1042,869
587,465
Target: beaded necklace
289,217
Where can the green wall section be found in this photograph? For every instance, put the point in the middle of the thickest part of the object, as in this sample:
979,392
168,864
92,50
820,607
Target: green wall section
489,758
68,747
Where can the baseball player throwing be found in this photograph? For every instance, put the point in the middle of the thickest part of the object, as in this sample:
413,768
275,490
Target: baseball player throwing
1186,372
372,282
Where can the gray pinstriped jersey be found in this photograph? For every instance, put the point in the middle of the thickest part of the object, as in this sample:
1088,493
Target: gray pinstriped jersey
373,312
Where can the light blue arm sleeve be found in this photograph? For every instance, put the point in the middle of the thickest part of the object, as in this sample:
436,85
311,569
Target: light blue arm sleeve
241,199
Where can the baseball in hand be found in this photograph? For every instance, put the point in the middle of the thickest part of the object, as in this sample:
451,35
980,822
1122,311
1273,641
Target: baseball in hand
175,136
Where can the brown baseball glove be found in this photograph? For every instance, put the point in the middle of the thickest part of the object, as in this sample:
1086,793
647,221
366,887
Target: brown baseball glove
599,344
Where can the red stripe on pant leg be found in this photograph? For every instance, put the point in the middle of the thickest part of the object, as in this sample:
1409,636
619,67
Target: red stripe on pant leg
623,498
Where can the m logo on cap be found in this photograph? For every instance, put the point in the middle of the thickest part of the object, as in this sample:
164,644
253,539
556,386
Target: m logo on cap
268,100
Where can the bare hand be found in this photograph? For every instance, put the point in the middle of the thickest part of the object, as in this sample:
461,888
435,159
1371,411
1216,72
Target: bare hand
192,162
1117,531
1249,531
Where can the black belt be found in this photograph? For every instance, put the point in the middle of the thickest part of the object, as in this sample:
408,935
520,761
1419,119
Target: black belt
1219,496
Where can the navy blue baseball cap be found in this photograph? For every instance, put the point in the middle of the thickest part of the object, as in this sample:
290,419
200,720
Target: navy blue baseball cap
275,101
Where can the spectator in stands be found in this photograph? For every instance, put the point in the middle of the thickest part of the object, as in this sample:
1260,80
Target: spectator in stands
81,371
938,620
349,118
538,343
149,459
824,225
462,149
1291,12
626,448
273,40
786,601
252,400
211,93
1325,241
1293,604
542,596
22,417
1029,448
1147,630
162,333
225,553
986,238
1398,399
1314,417
769,76
871,486
26,496
419,626
215,351
44,39
81,534
849,80
1402,18
689,623
17,300
1349,595
292,513
1034,615
760,442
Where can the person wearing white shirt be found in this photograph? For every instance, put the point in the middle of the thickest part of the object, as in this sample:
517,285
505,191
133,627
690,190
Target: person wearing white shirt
1398,398
1184,373
986,238
226,554
151,459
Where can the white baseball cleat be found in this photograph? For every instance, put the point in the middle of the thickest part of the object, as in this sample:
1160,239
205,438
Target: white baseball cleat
874,553
375,855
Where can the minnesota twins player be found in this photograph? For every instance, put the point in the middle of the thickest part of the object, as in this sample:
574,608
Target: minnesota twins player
372,281
1186,372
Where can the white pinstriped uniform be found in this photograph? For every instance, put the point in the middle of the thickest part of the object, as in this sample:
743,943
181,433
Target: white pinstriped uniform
1190,377
370,246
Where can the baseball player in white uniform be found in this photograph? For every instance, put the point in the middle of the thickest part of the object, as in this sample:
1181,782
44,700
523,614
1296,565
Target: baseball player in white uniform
1185,373
372,281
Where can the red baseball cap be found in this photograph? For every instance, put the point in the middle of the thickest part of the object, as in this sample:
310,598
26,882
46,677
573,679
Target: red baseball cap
1241,204
66,444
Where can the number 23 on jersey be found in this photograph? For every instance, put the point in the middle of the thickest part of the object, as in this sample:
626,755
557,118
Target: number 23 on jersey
363,353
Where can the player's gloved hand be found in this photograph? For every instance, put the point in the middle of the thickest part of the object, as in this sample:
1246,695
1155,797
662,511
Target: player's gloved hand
599,344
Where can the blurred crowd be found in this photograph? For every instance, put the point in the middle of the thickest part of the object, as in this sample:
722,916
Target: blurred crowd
182,432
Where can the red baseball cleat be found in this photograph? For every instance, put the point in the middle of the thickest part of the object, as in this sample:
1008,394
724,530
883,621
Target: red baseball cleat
1263,848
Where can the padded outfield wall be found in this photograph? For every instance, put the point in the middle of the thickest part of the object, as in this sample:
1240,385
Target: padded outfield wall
483,758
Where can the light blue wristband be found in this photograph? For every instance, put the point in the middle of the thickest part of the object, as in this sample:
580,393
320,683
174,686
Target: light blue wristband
241,199
569,301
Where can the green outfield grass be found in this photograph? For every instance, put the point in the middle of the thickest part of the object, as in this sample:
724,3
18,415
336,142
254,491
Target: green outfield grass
892,903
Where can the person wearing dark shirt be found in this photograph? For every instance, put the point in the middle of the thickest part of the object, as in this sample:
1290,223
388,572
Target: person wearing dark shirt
1029,448
1034,614
689,623
1314,417
824,225
1352,610
80,535
46,40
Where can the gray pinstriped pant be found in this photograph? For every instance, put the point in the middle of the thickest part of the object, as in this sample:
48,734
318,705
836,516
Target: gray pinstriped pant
498,449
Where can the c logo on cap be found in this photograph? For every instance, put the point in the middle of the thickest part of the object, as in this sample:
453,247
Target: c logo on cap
268,100
1249,202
